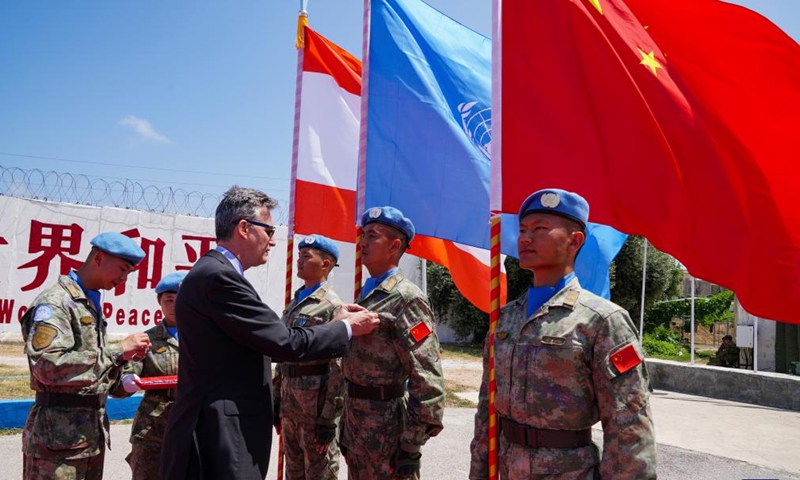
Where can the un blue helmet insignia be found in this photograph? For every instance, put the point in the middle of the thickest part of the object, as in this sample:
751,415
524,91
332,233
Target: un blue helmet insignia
42,313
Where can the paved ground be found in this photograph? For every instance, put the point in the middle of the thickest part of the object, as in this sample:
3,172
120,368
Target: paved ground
698,437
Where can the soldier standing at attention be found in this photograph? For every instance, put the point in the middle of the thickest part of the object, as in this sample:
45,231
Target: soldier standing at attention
395,389
564,359
309,395
73,367
147,432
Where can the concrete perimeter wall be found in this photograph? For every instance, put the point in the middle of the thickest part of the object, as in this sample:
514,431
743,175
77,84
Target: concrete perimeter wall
760,388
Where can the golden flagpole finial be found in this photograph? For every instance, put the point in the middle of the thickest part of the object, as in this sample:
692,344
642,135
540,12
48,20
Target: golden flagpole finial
302,23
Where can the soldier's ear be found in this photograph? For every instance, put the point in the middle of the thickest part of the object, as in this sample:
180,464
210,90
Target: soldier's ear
98,256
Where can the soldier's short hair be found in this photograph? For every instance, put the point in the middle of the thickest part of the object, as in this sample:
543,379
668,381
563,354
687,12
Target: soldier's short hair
239,203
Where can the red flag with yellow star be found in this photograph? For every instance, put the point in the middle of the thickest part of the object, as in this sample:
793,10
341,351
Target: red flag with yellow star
677,120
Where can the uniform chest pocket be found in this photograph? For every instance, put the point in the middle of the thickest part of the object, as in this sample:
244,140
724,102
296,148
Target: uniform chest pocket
556,375
89,335
165,360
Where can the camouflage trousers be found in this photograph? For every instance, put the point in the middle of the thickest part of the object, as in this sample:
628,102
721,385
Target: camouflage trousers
144,460
371,466
517,462
90,468
301,458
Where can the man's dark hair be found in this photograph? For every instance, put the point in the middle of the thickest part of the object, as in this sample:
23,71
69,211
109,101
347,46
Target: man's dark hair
396,234
239,203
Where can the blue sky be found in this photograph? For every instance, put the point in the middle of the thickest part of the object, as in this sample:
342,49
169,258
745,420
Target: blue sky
197,95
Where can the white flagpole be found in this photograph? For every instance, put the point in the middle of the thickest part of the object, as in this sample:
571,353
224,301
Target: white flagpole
644,279
755,343
692,342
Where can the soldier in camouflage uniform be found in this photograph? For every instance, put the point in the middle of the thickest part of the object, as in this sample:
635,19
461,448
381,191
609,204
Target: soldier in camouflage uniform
309,395
395,389
147,432
73,367
564,359
727,354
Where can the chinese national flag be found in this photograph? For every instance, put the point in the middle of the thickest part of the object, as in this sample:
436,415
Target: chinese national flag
676,119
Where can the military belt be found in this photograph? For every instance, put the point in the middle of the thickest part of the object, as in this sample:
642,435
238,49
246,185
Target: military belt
384,393
307,370
51,399
531,437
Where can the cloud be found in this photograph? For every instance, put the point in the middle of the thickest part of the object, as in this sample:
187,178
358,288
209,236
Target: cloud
144,129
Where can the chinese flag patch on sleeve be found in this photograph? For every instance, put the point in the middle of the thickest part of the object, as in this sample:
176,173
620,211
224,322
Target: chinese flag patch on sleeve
626,358
419,331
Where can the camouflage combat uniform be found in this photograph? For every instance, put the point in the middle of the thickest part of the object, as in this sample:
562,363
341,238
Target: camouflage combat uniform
67,355
403,348
558,370
727,356
147,432
307,397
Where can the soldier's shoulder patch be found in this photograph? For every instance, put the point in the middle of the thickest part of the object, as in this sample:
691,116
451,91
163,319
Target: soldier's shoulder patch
160,349
87,320
626,358
43,336
419,331
301,322
43,313
74,290
571,298
501,335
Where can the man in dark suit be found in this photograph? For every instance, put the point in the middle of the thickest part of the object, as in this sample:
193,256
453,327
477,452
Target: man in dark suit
221,424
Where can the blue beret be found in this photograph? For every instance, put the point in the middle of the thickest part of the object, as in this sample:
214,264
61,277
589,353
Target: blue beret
119,245
389,216
171,282
321,243
557,202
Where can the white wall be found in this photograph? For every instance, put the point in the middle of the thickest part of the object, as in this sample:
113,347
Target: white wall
169,240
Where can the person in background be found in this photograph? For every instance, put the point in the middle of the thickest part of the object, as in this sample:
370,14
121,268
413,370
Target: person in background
73,367
727,354
308,395
147,432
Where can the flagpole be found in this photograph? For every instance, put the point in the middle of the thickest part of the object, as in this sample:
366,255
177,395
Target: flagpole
691,346
302,22
644,281
495,211
494,316
362,149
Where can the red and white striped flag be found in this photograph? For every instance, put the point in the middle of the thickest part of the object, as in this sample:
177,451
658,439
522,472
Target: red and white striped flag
325,173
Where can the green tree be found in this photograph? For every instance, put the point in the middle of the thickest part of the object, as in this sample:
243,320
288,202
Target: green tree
468,322
663,280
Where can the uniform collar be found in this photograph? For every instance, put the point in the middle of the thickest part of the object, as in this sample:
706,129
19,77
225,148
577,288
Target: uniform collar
83,293
566,295
304,293
385,282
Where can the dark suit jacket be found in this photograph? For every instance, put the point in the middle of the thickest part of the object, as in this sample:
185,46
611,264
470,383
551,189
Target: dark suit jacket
221,424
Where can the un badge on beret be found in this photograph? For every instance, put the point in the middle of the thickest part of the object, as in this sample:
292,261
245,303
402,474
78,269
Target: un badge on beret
310,240
550,200
375,212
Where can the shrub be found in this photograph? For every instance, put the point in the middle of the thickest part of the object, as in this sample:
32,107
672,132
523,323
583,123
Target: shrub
655,347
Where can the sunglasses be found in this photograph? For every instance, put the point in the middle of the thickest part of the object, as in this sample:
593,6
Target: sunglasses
269,228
